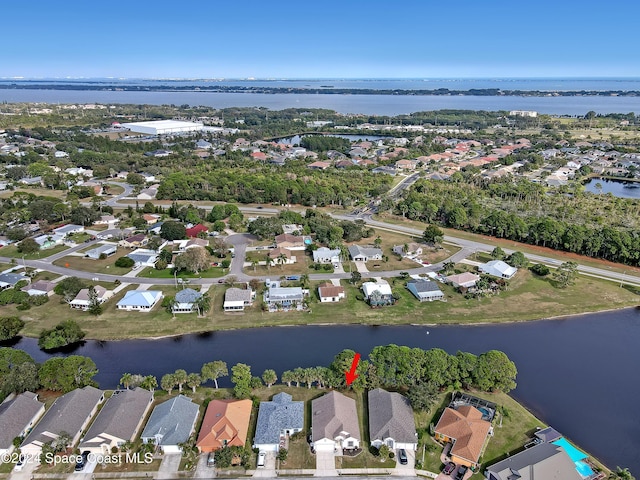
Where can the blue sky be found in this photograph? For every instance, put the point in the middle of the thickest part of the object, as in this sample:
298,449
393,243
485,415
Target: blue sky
313,39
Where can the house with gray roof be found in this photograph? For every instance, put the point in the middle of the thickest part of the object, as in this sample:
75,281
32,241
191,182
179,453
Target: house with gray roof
82,301
364,254
185,301
40,287
391,421
17,416
119,421
8,280
326,255
171,423
283,298
425,290
236,299
276,420
545,461
143,257
69,229
334,420
106,249
71,413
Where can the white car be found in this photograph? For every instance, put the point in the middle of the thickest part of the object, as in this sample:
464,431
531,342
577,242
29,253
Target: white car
261,459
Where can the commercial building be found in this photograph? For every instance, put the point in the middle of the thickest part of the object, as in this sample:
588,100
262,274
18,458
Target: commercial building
163,127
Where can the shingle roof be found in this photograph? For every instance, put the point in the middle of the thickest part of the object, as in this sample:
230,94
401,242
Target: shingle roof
119,417
41,285
333,414
467,427
391,416
172,421
139,298
330,290
15,415
357,250
545,461
225,421
67,414
83,295
11,278
424,285
279,414
237,295
286,293
188,295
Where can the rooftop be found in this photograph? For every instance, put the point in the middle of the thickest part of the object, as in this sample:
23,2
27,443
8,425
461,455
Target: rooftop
279,414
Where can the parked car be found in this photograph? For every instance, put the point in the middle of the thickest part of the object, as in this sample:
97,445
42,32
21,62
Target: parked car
211,460
261,459
293,277
82,461
20,465
402,456
449,468
461,471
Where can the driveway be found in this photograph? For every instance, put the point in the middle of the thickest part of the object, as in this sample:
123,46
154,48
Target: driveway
169,466
202,470
326,464
239,242
269,469
361,267
407,470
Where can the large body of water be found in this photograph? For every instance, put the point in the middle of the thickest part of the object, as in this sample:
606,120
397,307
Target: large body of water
363,104
617,188
578,374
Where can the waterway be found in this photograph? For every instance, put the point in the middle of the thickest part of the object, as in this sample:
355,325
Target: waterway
345,104
579,374
617,188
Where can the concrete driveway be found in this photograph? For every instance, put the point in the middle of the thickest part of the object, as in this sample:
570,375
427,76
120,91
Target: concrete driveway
202,470
169,466
362,267
326,464
407,470
269,469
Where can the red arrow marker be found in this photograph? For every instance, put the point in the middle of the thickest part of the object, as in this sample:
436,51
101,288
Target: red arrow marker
351,375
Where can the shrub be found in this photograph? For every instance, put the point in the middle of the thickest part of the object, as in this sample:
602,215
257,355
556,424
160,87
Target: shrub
65,333
125,262
10,327
540,269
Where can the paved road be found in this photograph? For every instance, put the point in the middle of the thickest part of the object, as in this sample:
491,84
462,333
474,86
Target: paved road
112,202
239,243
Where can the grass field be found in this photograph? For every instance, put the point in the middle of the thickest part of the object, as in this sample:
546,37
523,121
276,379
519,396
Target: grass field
213,272
12,252
106,266
43,192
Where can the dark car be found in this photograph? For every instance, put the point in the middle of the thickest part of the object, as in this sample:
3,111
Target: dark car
449,468
82,461
402,456
461,471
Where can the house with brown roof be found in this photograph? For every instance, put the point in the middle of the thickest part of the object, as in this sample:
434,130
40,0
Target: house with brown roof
465,428
319,165
226,422
135,241
281,256
150,218
334,423
466,280
329,292
291,242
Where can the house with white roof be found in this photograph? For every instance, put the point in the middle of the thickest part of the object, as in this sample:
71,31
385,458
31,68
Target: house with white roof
107,249
140,300
498,268
364,254
326,255
378,293
49,241
143,257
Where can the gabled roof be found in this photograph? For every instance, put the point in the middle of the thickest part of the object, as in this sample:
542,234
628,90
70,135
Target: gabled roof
195,230
225,421
41,285
136,238
83,295
286,237
140,298
544,461
172,421
391,416
234,294
467,427
357,250
548,434
67,414
498,268
332,415
330,290
15,415
423,286
188,295
119,417
279,414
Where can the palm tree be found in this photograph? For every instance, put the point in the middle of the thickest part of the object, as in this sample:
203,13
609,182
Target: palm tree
194,380
282,259
168,382
621,474
254,263
125,381
203,304
287,377
180,377
269,261
150,383
304,280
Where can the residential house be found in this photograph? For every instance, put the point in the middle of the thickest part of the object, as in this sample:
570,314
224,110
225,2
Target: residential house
378,293
148,177
195,230
283,298
9,280
150,218
40,287
155,228
364,254
391,421
226,423
135,241
83,300
326,255
545,461
236,299
409,249
185,301
425,290
203,144
106,250
184,245
465,428
281,256
171,423
49,241
31,181
334,423
143,257
328,292
17,416
68,229
109,220
292,242
119,421
277,419
319,165
148,193
498,268
71,413
140,300
466,280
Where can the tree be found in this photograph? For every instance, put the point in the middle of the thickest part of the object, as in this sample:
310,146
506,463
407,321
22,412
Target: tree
355,277
621,474
213,371
447,267
498,253
66,374
540,269
269,377
288,377
282,454
195,259
203,303
566,274
517,259
10,327
95,307
194,380
125,380
342,363
28,246
241,378
63,334
135,179
423,395
432,234
125,262
168,382
180,376
149,382
20,378
69,287
494,371
16,234
173,230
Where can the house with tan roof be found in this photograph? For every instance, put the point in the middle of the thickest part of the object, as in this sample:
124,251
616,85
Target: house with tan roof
334,423
281,256
328,292
135,241
291,242
391,420
466,280
226,422
465,428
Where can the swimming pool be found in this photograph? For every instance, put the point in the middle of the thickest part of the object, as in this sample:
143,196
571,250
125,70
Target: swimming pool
576,457
485,412
584,469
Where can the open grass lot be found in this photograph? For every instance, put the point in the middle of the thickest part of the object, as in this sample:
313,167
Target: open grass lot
303,262
106,266
213,272
43,192
11,251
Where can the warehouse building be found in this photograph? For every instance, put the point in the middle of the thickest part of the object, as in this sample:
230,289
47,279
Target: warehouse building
163,127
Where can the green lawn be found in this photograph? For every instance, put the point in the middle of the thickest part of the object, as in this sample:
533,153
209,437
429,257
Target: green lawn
106,266
12,252
213,272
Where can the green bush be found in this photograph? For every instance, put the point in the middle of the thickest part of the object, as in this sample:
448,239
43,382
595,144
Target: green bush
125,262
540,269
10,327
65,333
